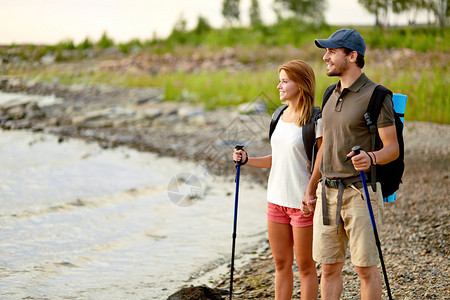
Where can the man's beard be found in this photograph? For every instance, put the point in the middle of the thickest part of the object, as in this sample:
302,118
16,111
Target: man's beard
337,70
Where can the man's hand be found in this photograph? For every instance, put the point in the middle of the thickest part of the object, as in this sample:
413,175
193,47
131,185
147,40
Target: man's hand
362,161
308,205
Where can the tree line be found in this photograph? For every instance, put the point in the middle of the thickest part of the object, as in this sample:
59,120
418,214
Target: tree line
312,11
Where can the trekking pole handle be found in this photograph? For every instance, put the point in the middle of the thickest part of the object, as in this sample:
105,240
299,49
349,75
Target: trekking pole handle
238,163
357,149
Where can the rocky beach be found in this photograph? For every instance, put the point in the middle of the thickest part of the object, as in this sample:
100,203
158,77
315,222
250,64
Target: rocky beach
415,234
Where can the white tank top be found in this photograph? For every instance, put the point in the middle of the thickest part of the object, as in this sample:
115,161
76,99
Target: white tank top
289,174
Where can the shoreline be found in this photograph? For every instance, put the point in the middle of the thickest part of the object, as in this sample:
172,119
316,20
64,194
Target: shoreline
415,235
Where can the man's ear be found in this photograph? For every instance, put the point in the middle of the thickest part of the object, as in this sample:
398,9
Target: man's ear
353,56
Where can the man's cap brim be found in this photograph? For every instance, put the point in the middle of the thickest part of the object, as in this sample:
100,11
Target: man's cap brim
326,43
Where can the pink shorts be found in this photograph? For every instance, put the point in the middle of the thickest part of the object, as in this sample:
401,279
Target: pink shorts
286,215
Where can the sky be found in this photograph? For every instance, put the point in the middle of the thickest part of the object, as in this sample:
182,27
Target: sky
52,21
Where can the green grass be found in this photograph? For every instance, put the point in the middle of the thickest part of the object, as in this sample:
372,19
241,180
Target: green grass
421,74
427,91
426,88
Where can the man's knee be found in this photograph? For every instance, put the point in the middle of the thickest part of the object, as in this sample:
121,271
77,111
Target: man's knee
368,273
332,270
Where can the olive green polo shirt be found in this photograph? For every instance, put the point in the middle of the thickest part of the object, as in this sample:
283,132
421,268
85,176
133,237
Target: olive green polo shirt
344,126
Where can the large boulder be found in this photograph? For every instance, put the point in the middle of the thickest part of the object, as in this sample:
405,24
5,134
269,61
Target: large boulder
198,293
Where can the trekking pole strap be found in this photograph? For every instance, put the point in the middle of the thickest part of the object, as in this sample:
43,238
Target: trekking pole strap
373,136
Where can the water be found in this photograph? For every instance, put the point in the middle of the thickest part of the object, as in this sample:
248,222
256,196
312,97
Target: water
80,222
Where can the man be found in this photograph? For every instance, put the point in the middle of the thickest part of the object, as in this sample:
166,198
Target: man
341,214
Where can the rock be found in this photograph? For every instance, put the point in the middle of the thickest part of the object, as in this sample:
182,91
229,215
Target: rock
153,98
112,113
33,111
198,293
16,112
251,108
198,120
97,124
14,82
8,100
15,100
167,120
151,113
186,112
48,59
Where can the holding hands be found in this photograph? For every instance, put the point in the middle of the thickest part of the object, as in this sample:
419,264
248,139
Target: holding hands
308,205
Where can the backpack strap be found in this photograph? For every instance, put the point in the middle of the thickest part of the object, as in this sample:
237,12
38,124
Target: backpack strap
275,117
327,94
309,134
371,117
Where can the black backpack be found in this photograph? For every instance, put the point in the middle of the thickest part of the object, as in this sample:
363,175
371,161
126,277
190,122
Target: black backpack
308,131
390,174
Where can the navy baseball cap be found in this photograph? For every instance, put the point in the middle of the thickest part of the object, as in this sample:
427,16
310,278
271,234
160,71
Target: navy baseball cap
344,38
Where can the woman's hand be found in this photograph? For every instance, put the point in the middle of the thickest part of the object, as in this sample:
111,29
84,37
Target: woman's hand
308,205
239,155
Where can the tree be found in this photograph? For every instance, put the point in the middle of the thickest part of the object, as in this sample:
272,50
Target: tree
377,7
230,10
178,34
105,41
440,10
307,10
255,16
380,8
202,26
85,44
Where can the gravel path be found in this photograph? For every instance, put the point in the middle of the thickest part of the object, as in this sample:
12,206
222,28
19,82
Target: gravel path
414,237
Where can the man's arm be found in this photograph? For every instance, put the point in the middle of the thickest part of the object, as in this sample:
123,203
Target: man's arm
388,153
309,202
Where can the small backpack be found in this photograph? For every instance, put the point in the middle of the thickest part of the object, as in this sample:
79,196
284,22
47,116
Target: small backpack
308,131
390,174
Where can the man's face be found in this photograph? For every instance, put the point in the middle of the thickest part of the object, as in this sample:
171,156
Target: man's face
337,61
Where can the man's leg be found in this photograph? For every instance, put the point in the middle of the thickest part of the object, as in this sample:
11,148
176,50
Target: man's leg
371,285
331,281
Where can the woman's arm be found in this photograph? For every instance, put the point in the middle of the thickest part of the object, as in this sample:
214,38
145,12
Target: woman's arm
257,162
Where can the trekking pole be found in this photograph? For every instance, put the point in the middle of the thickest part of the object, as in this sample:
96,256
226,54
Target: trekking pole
236,194
357,149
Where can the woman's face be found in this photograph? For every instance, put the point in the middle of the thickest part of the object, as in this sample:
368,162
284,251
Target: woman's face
289,91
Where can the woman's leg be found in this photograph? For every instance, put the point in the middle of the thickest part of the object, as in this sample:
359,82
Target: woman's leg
309,284
281,244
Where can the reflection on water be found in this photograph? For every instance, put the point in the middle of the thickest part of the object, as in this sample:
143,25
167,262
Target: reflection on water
80,222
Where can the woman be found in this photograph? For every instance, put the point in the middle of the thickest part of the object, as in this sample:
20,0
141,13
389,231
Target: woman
289,228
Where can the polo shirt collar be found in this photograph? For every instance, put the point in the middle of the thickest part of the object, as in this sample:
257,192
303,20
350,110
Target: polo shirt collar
360,82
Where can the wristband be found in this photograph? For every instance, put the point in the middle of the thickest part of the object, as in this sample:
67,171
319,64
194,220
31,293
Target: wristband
374,161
